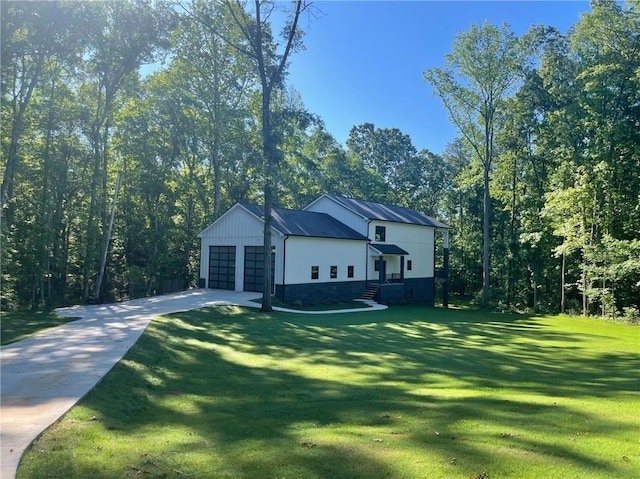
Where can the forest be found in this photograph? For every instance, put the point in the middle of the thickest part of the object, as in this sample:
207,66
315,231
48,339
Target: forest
111,169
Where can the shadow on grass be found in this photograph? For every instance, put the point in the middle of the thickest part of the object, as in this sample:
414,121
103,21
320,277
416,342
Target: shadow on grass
19,325
330,396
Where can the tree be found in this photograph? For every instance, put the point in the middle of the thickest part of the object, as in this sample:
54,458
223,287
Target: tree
270,63
217,81
484,68
32,34
382,152
128,36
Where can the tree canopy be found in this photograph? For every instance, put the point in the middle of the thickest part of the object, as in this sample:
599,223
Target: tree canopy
541,190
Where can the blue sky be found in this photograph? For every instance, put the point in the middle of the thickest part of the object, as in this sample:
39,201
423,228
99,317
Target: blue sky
364,60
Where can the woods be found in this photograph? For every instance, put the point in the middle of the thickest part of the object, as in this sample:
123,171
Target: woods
542,189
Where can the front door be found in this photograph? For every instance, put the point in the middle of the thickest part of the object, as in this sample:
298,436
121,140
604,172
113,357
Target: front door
381,268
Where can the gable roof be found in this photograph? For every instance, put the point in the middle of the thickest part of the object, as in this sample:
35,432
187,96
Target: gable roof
306,223
383,212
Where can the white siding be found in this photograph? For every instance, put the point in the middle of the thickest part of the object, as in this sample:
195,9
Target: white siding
417,240
302,253
346,216
239,228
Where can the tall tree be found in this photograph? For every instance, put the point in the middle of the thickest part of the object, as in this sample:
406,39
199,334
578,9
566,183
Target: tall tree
217,81
32,34
382,152
270,61
484,68
127,36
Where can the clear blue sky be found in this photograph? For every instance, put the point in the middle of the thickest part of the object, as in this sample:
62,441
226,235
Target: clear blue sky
364,60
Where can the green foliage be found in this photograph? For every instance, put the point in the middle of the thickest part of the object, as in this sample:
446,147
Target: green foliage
484,69
560,218
564,177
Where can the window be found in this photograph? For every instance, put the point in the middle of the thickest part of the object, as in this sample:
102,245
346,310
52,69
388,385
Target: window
349,271
381,233
409,265
376,265
315,272
334,272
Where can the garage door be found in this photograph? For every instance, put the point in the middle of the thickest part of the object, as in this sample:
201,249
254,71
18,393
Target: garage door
254,268
222,267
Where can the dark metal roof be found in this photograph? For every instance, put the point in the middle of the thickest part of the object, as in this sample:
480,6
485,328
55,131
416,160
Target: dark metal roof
382,212
389,249
306,223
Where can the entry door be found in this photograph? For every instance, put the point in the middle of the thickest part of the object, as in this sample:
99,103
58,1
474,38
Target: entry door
254,268
222,267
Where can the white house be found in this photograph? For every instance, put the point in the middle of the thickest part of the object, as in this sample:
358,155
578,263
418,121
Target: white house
334,250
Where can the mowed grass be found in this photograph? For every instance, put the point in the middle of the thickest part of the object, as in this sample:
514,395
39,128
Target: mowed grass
18,325
409,392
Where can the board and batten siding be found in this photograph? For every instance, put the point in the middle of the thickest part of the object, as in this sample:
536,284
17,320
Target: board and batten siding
339,212
239,228
417,240
302,253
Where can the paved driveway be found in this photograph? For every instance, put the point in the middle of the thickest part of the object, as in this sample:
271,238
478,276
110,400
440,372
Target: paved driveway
44,376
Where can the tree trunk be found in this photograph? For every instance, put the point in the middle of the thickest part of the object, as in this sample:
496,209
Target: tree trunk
269,161
512,235
585,301
92,227
485,240
562,286
486,163
105,247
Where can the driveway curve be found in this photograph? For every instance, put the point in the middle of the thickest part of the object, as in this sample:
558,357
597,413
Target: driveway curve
43,376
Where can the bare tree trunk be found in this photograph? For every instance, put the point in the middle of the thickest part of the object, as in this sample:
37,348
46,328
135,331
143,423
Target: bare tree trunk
486,202
562,286
268,199
107,239
585,300
485,241
92,227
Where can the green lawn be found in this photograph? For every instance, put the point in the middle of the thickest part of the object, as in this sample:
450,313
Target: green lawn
408,392
17,325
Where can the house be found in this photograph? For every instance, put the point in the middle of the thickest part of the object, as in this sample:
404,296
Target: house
334,250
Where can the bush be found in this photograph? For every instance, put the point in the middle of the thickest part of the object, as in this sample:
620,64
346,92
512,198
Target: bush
631,315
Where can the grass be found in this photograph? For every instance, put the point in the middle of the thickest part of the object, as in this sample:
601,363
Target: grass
408,392
18,325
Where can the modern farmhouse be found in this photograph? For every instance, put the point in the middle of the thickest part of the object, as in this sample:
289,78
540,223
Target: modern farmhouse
336,249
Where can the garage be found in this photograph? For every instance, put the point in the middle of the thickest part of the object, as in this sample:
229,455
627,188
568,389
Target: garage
222,267
254,268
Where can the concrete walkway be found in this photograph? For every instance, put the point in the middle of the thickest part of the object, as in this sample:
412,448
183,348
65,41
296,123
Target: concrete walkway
43,376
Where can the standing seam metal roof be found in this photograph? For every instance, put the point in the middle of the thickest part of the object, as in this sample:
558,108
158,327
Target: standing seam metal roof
382,212
306,223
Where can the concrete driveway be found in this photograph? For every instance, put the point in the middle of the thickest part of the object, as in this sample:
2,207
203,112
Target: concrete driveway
43,376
